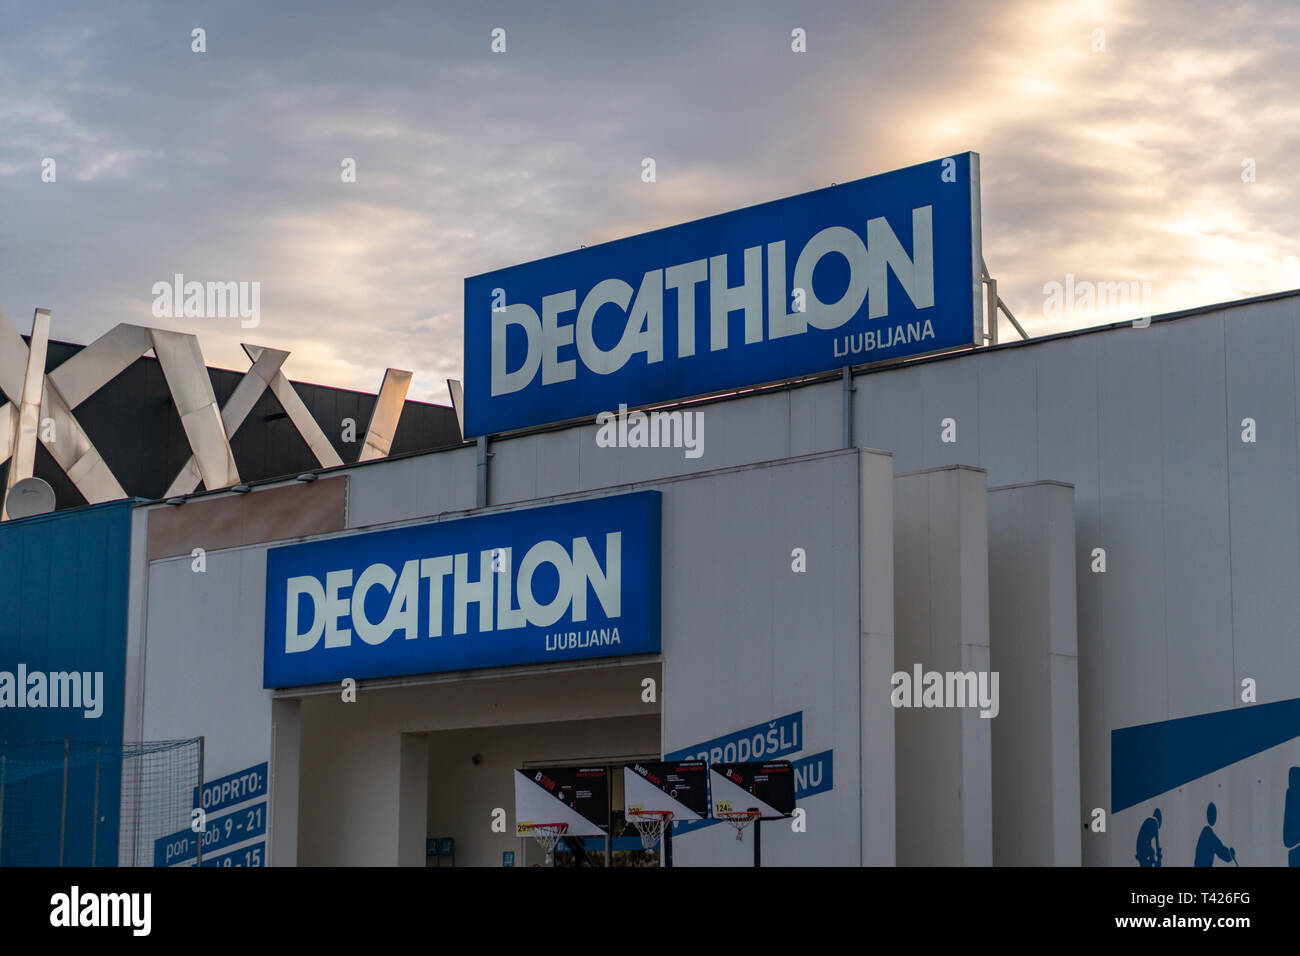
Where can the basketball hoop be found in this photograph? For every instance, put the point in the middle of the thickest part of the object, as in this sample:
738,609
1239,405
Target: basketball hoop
547,835
650,824
739,819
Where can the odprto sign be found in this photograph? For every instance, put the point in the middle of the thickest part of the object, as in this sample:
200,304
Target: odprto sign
862,272
564,582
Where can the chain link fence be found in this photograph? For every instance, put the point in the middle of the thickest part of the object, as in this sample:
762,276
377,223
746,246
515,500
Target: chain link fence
87,803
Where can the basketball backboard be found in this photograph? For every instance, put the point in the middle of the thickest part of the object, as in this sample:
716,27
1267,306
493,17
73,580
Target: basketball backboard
680,787
576,796
767,787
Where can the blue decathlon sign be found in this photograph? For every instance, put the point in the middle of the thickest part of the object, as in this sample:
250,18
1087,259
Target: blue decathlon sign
866,271
559,583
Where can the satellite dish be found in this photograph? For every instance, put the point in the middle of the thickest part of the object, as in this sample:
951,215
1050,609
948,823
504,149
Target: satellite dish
30,496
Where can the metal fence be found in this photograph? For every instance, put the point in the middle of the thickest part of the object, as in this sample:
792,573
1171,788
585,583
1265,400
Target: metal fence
89,803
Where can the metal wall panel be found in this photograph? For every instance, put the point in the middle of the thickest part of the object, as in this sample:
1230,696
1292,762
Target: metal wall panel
943,756
268,514
1068,450
1008,418
1132,640
1194,467
598,467
412,487
950,392
888,409
1034,649
1263,352
546,464
876,619
63,607
203,662
812,423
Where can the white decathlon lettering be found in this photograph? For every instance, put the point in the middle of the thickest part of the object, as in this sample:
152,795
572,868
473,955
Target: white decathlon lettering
550,552
473,592
521,315
435,569
337,606
872,250
503,593
382,575
684,278
831,315
508,616
608,292
642,329
781,323
294,639
606,584
724,299
916,275
554,335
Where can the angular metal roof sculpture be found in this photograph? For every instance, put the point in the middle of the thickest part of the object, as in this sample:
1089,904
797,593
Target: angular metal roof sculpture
37,400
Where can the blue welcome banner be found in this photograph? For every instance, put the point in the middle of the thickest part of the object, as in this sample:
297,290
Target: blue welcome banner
564,582
815,774
767,741
861,272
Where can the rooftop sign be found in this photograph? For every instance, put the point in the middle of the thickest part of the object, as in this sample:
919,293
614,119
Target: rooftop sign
862,272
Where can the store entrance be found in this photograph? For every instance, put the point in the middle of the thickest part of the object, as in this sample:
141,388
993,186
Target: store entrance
622,846
472,791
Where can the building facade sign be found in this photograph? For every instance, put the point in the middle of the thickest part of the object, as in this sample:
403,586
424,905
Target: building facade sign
867,271
563,582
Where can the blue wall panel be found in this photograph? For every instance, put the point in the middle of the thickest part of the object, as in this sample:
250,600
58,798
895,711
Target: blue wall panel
63,607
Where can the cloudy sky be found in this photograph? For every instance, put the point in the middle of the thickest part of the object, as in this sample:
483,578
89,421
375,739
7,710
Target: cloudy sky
1114,140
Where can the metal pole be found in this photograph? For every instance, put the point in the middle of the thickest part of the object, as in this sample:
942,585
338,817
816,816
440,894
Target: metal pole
94,817
848,406
198,859
3,760
63,816
1007,312
991,289
758,841
668,845
481,498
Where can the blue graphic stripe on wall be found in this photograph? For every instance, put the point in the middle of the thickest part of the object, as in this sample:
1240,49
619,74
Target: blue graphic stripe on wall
1150,759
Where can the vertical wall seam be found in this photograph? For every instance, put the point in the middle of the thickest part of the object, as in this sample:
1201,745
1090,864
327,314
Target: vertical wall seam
1227,439
862,631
